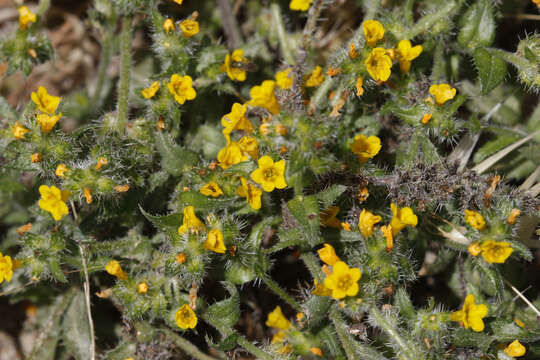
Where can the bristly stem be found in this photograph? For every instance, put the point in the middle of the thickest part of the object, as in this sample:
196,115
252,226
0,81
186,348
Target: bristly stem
313,266
259,354
106,51
406,350
230,26
125,72
282,37
281,293
309,28
342,333
186,346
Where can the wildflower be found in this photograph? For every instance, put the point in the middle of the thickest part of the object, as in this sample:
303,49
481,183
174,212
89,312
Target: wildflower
328,217
426,118
6,268
26,17
234,65
214,242
53,200
36,157
189,28
300,5
333,71
474,249
514,213
442,93
366,222
343,281
24,228
359,86
315,78
281,129
211,189
365,147
121,188
387,232
181,258
316,351
237,120
407,53
277,320
270,174
88,195
515,349
352,52
230,155
519,323
471,315
287,349
475,219
45,102
250,146
345,226
114,268
142,288
321,290
179,2
279,337
328,254
101,161
185,317
378,64
284,79
373,31
160,124
263,96
251,192
19,131
190,221
496,252
168,25
181,87
47,122
61,170
363,194
265,128
150,91
402,218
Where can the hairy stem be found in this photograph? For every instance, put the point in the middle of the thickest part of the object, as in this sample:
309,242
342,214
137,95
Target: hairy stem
243,342
187,347
106,51
281,293
313,266
342,333
230,26
282,37
426,22
125,72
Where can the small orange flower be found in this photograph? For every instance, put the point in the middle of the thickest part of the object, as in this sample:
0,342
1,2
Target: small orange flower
426,118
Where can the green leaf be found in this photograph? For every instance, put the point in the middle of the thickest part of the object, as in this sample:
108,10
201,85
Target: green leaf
239,274
491,70
306,211
174,159
225,313
328,196
201,202
255,237
477,26
8,185
491,147
168,224
76,331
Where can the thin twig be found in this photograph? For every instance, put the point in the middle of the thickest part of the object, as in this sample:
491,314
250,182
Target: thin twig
518,293
230,26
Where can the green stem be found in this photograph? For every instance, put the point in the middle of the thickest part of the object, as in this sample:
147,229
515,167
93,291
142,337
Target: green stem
371,7
342,334
408,9
43,7
512,58
187,347
428,21
281,293
313,266
282,37
230,26
259,354
125,72
309,28
320,94
104,60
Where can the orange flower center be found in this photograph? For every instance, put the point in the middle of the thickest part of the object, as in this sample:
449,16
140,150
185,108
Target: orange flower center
344,282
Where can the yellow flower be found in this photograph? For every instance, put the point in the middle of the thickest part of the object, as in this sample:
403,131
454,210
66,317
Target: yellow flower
237,120
88,195
407,53
379,64
181,87
496,251
474,249
402,218
211,189
36,157
352,51
101,161
475,219
316,77
366,222
328,254
234,65
53,200
343,281
6,268
316,351
26,17
47,122
328,217
142,288
168,25
281,129
189,28
442,93
514,213
19,131
426,118
373,31
114,268
179,2
515,349
284,79
365,147
250,146
321,290
277,320
214,242
471,315
61,170
359,86
230,155
181,258
251,192
150,91
270,174
44,101
300,5
263,96
387,232
190,221
185,317
279,337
